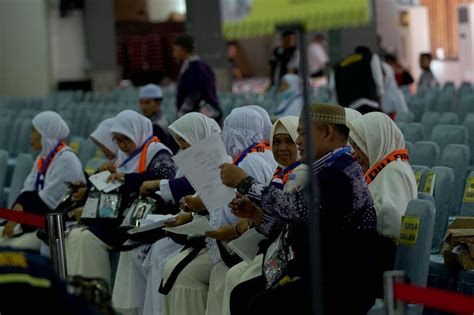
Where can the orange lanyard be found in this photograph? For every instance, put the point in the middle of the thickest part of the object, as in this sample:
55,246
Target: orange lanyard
256,147
143,154
401,154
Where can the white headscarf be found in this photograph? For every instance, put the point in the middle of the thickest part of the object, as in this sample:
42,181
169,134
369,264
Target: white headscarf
65,167
52,129
378,136
139,129
293,82
194,127
290,123
291,102
267,121
242,128
393,99
103,135
351,114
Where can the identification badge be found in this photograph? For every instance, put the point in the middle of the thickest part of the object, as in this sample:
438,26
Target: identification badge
418,179
409,231
469,192
109,205
430,183
90,208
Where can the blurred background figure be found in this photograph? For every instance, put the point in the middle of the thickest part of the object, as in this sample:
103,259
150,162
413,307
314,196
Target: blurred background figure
427,78
317,56
402,76
284,59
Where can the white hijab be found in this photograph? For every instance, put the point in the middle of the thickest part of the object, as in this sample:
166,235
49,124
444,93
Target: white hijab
267,121
103,135
52,129
351,114
65,167
139,129
290,123
293,82
378,136
242,128
291,103
194,127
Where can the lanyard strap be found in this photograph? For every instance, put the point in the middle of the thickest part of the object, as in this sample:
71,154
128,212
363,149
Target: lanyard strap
139,150
142,160
256,147
379,166
44,163
281,175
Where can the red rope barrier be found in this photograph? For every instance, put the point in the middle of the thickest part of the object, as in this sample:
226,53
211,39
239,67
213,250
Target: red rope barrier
23,217
434,298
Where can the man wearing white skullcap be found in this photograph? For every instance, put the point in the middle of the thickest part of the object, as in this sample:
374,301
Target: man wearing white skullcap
151,96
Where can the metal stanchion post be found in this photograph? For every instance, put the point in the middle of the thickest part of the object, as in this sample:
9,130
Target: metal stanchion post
57,247
392,306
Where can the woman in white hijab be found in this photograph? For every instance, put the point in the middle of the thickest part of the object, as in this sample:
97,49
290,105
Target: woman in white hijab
242,135
282,140
267,121
292,101
379,147
102,138
147,269
46,184
140,158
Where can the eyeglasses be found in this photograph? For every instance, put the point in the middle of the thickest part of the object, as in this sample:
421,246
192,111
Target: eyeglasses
122,140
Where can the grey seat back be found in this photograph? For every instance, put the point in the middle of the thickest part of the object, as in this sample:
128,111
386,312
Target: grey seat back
448,119
421,171
442,183
406,117
429,120
469,124
24,163
413,132
456,156
425,153
410,147
3,174
415,258
449,134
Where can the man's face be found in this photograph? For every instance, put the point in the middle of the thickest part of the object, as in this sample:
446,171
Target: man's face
179,53
321,140
288,41
424,62
149,107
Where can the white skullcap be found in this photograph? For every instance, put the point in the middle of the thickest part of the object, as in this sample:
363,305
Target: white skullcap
150,91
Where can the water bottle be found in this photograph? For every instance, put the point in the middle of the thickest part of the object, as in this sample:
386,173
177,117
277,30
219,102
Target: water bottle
291,184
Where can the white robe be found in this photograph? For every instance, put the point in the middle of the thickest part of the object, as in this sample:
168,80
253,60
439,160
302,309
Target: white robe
66,167
189,293
147,262
377,136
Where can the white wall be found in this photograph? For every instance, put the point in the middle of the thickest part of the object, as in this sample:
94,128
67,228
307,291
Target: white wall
24,52
68,46
159,10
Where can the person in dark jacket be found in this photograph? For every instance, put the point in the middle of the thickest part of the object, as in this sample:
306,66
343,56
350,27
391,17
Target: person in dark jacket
196,82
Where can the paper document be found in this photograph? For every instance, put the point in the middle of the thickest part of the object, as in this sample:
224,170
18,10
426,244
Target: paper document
152,221
198,226
246,246
99,180
200,165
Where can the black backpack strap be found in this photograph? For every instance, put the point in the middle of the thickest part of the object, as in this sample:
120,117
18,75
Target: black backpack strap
198,245
229,259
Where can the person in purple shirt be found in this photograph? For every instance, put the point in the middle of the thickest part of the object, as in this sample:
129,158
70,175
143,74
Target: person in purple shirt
196,81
